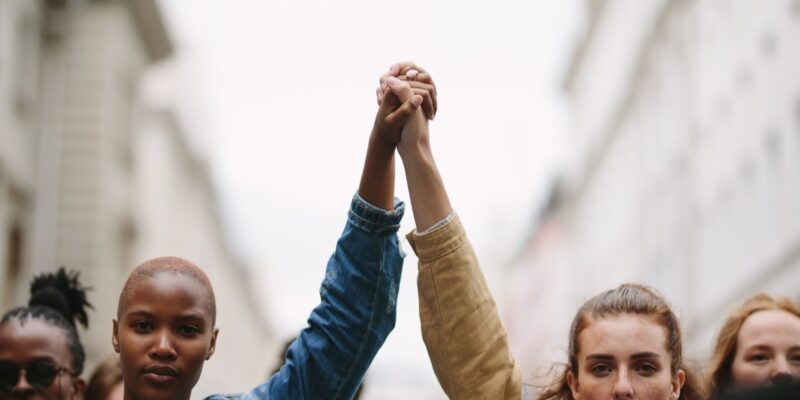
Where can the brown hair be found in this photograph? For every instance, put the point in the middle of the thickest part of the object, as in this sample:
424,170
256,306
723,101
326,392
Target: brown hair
628,298
107,375
719,369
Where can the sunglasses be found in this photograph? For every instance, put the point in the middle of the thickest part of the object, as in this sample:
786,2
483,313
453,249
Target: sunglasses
39,374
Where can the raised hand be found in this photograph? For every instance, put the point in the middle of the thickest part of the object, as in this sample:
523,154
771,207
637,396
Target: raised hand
421,83
399,102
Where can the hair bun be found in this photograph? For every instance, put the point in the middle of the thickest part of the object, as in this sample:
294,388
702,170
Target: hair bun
63,292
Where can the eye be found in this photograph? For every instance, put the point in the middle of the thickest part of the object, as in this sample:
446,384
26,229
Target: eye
601,369
188,330
794,358
758,358
646,369
142,326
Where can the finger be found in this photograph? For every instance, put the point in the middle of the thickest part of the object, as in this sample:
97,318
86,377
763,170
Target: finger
398,67
400,88
401,115
383,78
379,95
423,77
427,103
430,99
389,100
394,70
426,78
408,66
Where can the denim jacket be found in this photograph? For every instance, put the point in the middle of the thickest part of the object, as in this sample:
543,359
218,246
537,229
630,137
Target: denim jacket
358,300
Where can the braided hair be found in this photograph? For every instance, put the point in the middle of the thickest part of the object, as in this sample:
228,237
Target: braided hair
58,299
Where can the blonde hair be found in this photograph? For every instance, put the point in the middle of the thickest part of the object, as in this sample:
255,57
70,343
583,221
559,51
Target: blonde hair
719,376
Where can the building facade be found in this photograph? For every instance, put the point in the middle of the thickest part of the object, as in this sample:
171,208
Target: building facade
686,167
92,179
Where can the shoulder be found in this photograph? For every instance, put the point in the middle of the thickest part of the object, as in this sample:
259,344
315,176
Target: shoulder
233,396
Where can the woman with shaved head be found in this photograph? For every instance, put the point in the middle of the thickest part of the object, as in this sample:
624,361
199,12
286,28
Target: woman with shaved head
165,326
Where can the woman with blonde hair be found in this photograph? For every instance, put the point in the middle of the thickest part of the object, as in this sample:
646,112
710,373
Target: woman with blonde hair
758,345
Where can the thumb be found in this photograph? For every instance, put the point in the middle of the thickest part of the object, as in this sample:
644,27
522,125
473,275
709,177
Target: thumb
405,111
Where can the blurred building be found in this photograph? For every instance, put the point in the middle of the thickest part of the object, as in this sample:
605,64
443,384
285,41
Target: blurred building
92,179
686,169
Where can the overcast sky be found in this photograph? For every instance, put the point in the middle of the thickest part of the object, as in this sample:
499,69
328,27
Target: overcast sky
279,96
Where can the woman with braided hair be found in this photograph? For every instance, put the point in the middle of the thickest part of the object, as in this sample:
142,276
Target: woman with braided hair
41,355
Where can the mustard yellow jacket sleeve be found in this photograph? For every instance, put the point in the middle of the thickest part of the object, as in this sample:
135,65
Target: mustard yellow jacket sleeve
461,326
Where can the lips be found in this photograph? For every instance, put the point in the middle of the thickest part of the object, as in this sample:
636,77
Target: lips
160,374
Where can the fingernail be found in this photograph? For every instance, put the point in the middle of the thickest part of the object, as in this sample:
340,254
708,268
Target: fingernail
416,100
391,80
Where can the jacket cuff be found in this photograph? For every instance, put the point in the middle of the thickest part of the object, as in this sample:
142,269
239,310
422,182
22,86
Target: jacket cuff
438,242
372,219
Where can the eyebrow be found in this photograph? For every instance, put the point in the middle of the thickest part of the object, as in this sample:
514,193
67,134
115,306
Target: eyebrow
759,346
193,317
144,314
188,317
609,357
645,355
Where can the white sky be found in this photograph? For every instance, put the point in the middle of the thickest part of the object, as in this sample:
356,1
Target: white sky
279,96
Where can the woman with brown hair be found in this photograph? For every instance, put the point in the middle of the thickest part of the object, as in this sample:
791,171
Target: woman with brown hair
625,343
758,345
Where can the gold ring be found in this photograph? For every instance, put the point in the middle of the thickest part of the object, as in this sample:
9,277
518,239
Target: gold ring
412,75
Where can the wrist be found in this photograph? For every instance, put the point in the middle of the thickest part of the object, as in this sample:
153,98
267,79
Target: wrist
417,150
379,141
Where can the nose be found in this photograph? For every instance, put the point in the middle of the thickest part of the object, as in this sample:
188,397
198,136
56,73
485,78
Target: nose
622,386
163,348
22,387
782,371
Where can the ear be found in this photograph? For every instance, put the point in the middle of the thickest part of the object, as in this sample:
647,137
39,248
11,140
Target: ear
213,346
572,381
78,388
115,335
677,383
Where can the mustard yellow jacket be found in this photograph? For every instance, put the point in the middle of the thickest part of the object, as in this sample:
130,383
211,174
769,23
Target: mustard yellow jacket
461,327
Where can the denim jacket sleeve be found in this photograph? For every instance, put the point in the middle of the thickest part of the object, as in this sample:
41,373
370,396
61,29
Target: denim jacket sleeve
461,326
358,300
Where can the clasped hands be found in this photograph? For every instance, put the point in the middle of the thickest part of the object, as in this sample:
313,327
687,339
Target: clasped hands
407,100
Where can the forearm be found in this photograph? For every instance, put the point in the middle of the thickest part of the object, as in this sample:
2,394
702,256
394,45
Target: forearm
460,322
377,178
429,200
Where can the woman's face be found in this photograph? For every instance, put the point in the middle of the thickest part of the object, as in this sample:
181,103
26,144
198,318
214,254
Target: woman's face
163,336
767,350
624,357
41,350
